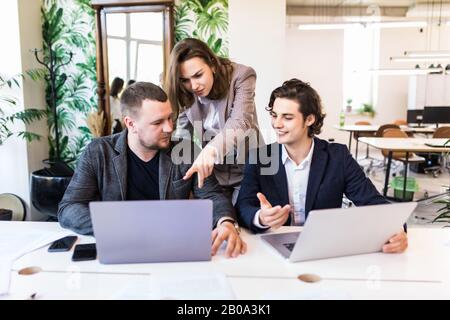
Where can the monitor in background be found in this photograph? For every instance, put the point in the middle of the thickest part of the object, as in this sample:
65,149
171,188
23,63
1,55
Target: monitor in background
415,117
436,115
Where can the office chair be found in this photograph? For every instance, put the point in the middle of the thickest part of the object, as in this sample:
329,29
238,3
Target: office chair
357,135
442,132
400,156
380,164
401,122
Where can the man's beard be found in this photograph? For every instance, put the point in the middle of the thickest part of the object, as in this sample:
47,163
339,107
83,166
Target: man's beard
154,146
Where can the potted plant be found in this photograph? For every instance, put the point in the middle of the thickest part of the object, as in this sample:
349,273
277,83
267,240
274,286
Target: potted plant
349,107
444,211
49,184
8,118
367,109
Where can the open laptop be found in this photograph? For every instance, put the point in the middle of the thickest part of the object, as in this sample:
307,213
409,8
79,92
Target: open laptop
152,231
342,232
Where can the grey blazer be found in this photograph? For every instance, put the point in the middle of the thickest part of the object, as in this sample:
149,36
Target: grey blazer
101,175
237,114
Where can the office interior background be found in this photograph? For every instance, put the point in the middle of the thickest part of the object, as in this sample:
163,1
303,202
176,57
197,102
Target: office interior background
359,56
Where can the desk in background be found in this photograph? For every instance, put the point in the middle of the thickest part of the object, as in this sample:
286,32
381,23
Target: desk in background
408,145
374,128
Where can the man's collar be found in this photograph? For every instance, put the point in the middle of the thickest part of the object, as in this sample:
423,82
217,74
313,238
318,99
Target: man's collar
285,155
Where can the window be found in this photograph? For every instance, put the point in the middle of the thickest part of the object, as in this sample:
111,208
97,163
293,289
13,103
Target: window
361,53
135,46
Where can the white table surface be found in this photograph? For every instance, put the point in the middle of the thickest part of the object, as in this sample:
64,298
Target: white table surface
406,144
421,272
374,128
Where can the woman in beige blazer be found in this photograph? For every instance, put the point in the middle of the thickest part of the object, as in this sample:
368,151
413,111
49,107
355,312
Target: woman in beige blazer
214,100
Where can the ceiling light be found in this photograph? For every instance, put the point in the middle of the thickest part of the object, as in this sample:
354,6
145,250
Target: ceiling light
372,24
419,59
325,26
435,54
399,72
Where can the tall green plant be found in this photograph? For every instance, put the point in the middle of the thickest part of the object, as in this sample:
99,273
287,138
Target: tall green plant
206,20
68,27
8,117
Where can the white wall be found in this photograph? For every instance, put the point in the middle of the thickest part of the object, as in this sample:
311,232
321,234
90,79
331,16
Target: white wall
33,92
316,57
393,90
13,154
257,39
22,19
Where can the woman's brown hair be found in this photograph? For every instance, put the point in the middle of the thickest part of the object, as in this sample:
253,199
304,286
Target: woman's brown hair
184,50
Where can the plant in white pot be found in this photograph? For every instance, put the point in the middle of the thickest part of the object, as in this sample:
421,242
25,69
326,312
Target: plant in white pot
349,107
367,109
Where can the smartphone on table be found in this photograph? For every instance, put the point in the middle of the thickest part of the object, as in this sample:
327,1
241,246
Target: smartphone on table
63,244
84,252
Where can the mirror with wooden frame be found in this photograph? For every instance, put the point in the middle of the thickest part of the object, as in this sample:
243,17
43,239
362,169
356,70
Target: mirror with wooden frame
134,40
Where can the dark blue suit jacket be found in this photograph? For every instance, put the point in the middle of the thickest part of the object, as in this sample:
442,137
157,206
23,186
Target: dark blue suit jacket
333,173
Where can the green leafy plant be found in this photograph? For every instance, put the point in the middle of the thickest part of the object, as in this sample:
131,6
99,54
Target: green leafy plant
367,108
348,107
8,117
206,20
68,27
444,212
183,23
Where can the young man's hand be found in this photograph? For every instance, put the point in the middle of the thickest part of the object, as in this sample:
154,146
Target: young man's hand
227,232
273,217
396,244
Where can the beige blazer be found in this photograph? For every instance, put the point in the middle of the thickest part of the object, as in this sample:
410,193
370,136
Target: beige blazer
237,114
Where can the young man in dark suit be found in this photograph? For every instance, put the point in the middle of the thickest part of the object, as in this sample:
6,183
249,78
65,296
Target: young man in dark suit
304,172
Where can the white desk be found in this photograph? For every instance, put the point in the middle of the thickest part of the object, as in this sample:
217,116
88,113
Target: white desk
407,145
374,128
421,272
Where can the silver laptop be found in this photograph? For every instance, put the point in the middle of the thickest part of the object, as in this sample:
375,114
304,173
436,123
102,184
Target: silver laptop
342,232
152,231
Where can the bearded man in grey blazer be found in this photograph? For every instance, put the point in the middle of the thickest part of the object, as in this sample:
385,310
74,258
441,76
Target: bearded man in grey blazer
137,164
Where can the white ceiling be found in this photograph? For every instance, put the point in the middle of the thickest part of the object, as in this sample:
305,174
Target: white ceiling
383,3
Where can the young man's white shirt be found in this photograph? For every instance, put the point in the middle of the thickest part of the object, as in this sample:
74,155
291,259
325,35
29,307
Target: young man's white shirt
297,180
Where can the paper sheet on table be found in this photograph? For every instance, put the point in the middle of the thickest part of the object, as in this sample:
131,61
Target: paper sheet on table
5,270
188,286
13,245
319,293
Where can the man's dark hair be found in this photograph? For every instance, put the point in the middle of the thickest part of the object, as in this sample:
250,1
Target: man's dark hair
307,98
133,96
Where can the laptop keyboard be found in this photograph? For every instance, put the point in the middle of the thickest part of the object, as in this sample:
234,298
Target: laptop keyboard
289,246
